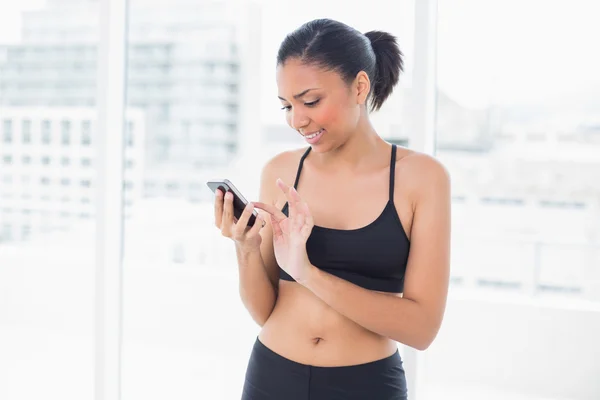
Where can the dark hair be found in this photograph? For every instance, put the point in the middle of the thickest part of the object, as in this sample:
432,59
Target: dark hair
336,46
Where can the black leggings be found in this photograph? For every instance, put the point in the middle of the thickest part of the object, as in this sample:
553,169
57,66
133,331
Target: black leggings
273,377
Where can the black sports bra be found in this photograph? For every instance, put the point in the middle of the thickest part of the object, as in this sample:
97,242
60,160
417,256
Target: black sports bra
373,257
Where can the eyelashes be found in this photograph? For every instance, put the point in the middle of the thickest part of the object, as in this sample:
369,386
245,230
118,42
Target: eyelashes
310,104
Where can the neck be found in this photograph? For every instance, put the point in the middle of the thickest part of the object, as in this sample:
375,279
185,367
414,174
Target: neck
359,150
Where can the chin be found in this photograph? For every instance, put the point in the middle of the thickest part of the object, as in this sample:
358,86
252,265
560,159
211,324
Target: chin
321,148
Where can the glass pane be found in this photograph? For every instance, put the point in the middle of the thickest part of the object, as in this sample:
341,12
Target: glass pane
203,102
522,144
47,87
518,127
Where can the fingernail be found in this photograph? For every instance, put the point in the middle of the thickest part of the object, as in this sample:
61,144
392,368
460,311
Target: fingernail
229,196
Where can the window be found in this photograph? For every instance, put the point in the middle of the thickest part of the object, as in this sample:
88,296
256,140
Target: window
65,132
179,151
479,103
86,133
6,234
26,131
46,132
7,133
130,134
524,170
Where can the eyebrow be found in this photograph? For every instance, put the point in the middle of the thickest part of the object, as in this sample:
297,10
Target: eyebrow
296,96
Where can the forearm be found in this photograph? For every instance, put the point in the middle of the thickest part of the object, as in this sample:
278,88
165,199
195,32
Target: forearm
256,290
399,319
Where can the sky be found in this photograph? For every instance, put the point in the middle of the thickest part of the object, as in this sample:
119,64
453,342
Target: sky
518,50
489,52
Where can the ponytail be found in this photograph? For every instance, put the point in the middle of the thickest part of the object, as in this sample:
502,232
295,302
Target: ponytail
389,65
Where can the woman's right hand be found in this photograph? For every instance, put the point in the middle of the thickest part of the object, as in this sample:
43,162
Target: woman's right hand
247,238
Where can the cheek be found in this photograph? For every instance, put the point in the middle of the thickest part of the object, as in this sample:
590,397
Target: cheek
331,117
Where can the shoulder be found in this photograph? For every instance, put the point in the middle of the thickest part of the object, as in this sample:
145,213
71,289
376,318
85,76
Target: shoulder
283,165
422,174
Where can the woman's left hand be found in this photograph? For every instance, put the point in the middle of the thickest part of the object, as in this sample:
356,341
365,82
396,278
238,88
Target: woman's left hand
290,233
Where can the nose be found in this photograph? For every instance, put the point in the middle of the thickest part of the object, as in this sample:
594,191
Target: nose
298,120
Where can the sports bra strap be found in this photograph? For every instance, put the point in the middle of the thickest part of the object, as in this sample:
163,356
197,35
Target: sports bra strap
300,167
392,172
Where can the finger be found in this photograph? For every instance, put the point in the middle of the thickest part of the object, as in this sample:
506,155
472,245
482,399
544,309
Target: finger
286,190
260,222
299,221
227,221
218,208
307,215
302,207
282,185
292,204
295,198
242,223
274,211
276,227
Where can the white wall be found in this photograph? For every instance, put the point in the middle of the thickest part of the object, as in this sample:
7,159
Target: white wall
538,349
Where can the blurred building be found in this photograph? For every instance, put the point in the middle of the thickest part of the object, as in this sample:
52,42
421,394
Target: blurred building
188,67
47,167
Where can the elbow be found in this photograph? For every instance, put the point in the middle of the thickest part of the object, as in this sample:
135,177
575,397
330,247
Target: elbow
428,333
428,338
422,340
260,321
420,344
260,318
423,345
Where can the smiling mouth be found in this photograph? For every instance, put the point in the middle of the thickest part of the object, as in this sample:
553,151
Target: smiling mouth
313,135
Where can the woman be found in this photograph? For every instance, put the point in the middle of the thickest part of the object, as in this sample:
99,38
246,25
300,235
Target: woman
329,277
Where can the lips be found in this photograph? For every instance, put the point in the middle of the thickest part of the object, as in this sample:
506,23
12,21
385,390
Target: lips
311,135
314,137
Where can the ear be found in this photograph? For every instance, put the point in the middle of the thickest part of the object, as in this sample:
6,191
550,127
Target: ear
362,86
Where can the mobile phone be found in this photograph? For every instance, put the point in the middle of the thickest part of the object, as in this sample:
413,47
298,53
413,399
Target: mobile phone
239,201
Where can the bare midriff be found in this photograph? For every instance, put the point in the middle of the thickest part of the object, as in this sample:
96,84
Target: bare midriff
305,329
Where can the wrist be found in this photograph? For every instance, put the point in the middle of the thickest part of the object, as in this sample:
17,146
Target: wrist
247,252
310,276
